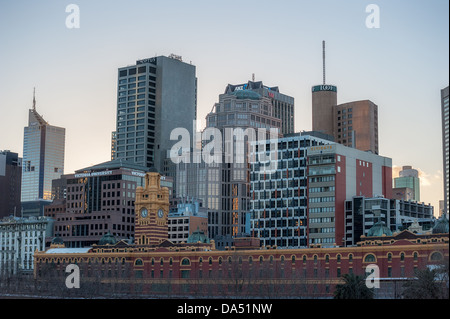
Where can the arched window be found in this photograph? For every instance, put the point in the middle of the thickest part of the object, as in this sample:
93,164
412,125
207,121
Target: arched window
315,259
350,258
250,260
293,259
389,257
210,260
138,262
415,256
327,258
304,259
185,262
370,258
436,256
402,256
338,257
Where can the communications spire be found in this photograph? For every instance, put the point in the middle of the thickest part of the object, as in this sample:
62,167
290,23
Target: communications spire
34,99
323,57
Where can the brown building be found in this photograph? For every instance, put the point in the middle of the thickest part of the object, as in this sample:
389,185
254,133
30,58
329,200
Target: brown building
353,124
356,125
324,101
98,200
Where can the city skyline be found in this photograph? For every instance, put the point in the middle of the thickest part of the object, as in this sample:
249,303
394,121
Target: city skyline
401,66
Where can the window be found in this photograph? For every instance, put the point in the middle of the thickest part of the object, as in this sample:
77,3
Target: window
138,262
369,258
185,262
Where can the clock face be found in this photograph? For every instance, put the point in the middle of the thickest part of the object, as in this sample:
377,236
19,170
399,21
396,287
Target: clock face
144,212
160,213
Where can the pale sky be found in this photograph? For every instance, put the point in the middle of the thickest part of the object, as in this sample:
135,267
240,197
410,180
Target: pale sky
400,66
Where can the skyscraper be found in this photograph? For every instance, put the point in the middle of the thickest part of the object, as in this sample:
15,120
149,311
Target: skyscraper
409,178
354,124
154,96
224,187
10,183
282,104
43,161
445,145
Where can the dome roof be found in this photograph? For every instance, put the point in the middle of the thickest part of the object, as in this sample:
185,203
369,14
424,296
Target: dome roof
379,229
198,236
441,225
57,241
107,239
246,94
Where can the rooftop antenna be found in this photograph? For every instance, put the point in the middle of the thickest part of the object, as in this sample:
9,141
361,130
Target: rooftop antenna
323,57
34,99
253,77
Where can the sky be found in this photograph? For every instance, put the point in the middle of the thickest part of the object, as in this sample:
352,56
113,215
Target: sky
401,65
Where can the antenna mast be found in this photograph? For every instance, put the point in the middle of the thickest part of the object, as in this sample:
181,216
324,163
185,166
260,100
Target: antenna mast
323,57
34,99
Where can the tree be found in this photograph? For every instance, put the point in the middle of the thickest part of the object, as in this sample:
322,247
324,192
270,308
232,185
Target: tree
424,286
354,287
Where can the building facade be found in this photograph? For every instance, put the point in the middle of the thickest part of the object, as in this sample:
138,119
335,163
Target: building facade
324,101
154,96
10,183
19,239
408,178
98,199
196,268
279,198
356,125
362,213
445,145
189,216
337,173
43,161
282,104
223,184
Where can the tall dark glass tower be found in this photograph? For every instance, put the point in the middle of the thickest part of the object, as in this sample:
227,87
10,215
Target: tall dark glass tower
154,96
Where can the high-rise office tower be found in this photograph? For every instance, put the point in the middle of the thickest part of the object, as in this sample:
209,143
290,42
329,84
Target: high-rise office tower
10,183
224,187
445,144
282,104
154,96
324,100
408,179
43,161
353,124
356,125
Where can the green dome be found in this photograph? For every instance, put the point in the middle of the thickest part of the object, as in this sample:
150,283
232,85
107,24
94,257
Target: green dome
441,226
379,229
57,241
107,239
198,236
246,94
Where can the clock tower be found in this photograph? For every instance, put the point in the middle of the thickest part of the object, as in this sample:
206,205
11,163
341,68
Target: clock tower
151,209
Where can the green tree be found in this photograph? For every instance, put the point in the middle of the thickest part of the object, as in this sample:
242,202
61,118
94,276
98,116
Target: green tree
354,287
